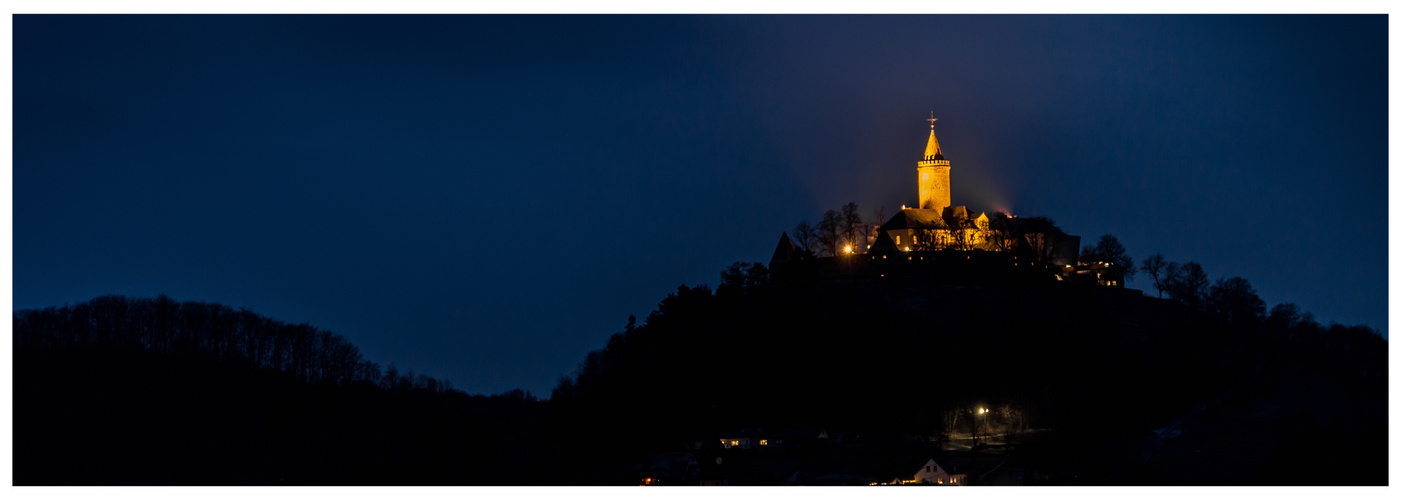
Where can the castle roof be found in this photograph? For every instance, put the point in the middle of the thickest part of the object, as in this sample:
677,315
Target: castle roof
916,218
783,252
883,244
956,212
932,150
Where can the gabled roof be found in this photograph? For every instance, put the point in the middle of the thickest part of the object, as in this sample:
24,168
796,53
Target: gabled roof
883,243
915,218
783,252
956,212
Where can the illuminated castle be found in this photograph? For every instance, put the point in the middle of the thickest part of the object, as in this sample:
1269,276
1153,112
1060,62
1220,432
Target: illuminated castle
940,240
933,175
935,223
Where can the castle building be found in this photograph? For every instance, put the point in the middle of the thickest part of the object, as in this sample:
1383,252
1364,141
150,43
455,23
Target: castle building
985,246
936,223
933,175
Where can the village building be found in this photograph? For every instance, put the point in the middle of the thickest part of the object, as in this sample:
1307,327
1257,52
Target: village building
933,473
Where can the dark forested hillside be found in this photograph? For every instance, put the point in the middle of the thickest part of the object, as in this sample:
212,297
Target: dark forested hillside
1095,369
212,332
153,391
104,417
1082,384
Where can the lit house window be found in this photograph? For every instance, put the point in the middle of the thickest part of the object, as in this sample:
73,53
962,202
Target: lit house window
897,239
734,442
763,442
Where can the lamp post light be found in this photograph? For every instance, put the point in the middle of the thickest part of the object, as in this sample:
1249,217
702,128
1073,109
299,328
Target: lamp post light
981,411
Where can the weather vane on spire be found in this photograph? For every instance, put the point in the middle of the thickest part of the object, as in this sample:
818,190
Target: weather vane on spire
931,119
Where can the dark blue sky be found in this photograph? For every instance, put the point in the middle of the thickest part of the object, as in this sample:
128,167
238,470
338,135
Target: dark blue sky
487,198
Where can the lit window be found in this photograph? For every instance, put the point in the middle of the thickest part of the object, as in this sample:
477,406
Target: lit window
897,239
763,442
734,442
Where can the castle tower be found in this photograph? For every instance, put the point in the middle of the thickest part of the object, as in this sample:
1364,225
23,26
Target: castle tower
933,174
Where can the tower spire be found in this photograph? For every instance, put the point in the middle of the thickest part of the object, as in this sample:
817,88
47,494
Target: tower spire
933,173
932,150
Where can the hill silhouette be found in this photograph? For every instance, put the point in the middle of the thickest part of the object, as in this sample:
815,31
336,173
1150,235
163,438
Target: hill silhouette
120,391
1095,370
1082,384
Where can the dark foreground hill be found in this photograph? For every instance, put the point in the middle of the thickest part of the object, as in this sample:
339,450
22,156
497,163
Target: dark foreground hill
1098,385
1082,384
112,417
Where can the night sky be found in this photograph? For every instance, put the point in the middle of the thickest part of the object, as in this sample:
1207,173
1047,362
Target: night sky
487,198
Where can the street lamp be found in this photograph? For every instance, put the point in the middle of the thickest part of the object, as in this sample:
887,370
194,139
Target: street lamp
981,411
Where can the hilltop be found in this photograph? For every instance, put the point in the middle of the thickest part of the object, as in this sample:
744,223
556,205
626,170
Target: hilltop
1101,385
1048,382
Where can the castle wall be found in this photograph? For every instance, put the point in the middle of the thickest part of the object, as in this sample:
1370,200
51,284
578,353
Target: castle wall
918,240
